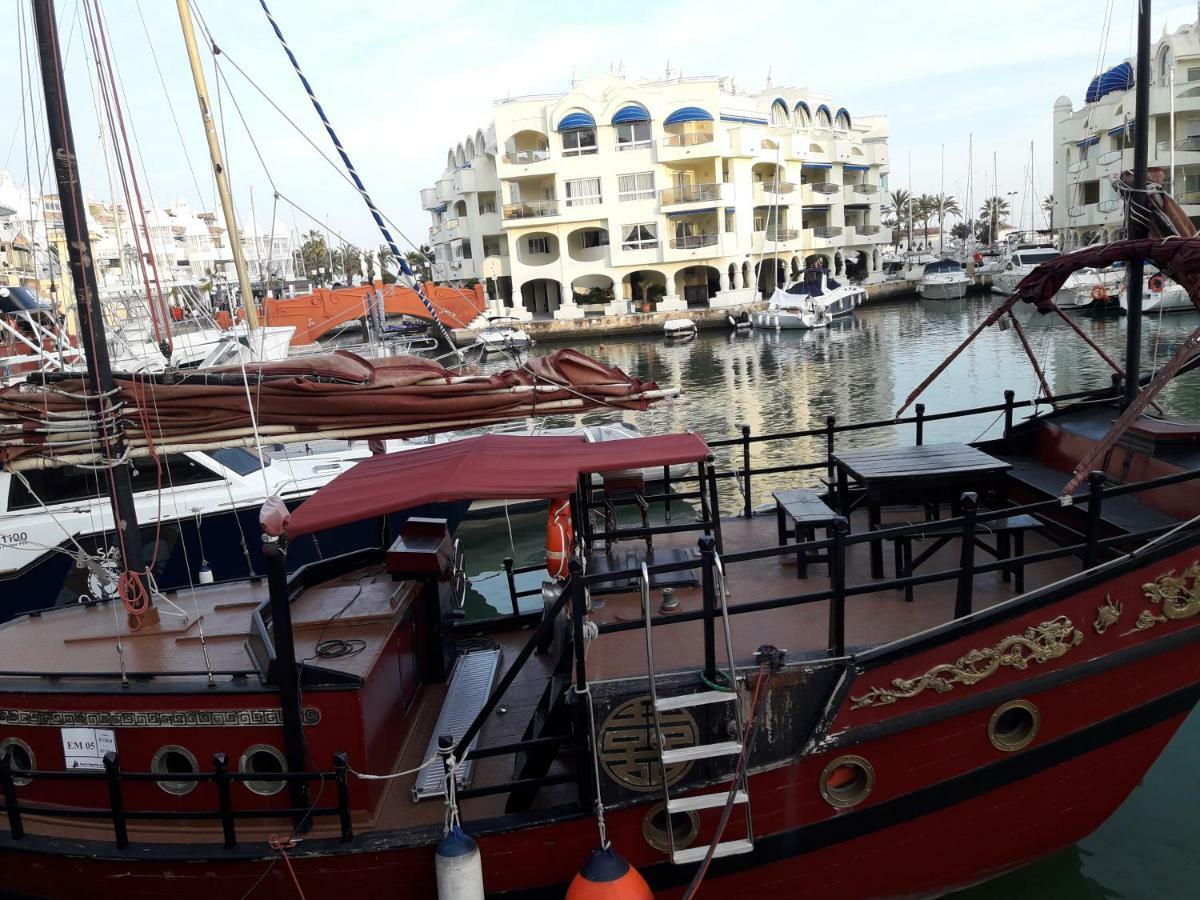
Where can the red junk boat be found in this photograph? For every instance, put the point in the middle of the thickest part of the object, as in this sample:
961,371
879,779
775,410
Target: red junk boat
793,722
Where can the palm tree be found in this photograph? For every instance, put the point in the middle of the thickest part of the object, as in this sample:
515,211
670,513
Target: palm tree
924,209
994,215
945,205
384,255
902,207
1048,208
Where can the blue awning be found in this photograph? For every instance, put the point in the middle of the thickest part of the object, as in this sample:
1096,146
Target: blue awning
1087,142
743,120
844,112
1118,78
691,212
855,168
729,209
630,113
1128,126
815,165
440,209
688,114
576,120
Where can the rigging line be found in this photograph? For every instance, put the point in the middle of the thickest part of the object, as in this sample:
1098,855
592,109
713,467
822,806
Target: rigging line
405,270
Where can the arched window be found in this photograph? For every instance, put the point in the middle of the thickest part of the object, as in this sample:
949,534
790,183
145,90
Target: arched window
470,148
824,119
842,120
1166,59
450,158
779,113
460,158
578,130
802,116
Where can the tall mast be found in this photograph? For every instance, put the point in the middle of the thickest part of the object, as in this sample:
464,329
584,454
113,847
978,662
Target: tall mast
1141,128
218,164
87,297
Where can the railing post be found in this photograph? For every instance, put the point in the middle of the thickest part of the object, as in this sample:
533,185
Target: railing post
1118,386
341,766
966,561
667,493
708,587
221,770
715,506
747,504
837,587
115,804
580,713
512,584
920,424
9,789
702,486
1010,397
830,473
1095,503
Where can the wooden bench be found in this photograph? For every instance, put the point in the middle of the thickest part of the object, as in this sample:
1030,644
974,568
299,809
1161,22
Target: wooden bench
1009,533
807,512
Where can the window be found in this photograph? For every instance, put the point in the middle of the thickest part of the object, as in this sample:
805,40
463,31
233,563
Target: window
638,186
1166,60
823,118
730,222
69,484
595,237
1193,74
487,204
639,237
539,244
579,142
633,135
583,192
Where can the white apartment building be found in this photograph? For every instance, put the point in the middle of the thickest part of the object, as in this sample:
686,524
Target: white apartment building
1094,143
672,194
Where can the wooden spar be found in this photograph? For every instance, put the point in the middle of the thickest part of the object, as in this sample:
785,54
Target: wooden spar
992,319
218,164
1137,200
1032,359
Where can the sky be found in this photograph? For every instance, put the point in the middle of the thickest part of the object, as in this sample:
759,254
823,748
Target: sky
402,82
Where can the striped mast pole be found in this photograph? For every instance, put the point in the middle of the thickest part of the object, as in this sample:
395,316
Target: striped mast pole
406,272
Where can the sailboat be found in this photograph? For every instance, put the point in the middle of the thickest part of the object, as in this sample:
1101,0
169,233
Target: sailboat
792,723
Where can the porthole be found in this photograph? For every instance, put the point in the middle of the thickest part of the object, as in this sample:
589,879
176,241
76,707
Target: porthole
686,826
263,759
1014,725
847,781
174,760
20,758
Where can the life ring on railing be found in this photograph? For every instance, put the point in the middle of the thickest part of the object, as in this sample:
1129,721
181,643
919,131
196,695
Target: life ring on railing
1099,292
1157,283
978,258
559,537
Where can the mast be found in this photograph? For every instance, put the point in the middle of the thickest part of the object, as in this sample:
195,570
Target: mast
1141,123
87,296
218,164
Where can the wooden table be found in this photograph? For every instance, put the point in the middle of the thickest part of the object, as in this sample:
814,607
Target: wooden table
888,470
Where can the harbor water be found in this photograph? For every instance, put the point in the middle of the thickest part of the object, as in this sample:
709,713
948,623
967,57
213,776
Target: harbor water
862,368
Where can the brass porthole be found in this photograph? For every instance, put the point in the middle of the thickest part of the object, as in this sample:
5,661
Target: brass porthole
174,760
1014,725
20,758
263,759
686,826
847,781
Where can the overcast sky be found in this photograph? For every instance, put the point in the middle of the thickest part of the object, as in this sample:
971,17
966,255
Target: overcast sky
403,81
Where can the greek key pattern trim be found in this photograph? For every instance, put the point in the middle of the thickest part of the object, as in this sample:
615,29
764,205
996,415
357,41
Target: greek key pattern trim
151,718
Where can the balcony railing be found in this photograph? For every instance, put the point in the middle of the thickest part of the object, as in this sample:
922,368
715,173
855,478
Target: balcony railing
525,157
867,229
531,210
827,231
1188,197
866,189
776,187
692,241
825,187
1187,144
782,234
690,139
690,193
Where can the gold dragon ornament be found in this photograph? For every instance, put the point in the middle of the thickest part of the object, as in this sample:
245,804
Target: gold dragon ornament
1177,597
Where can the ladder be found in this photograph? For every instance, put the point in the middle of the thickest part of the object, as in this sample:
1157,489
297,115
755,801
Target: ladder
738,788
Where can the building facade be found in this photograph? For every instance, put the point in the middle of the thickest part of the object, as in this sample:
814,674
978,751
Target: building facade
623,195
1093,143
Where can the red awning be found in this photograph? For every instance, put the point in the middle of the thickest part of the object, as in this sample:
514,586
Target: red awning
491,467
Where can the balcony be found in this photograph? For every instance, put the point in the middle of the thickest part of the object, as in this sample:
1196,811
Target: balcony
1188,197
690,193
865,190
533,210
867,230
526,157
827,231
692,145
821,193
429,198
688,140
769,192
694,241
465,181
782,235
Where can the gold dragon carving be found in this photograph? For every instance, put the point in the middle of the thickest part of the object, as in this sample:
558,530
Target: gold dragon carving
1107,614
1178,597
1038,644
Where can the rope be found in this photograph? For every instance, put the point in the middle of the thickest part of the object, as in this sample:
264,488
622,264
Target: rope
283,844
599,801
405,269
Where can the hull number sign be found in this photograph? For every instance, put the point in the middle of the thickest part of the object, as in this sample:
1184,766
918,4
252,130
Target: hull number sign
84,748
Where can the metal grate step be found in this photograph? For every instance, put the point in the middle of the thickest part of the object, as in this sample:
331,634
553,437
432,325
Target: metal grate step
705,801
701,751
727,848
701,699
470,684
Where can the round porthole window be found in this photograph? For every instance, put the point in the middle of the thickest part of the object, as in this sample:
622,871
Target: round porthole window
686,826
1014,725
174,760
263,759
847,781
20,758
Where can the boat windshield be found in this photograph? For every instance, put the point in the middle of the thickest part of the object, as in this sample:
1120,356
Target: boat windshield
1035,257
942,267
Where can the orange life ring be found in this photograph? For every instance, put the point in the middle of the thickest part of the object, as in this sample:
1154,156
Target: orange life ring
978,258
1099,292
559,538
1157,282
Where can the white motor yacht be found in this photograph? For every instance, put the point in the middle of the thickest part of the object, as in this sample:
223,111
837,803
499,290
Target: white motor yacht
812,302
679,329
1023,259
501,335
943,280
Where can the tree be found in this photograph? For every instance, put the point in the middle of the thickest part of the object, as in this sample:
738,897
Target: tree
369,265
961,231
924,209
1048,208
314,252
421,261
993,215
902,208
349,260
386,263
945,205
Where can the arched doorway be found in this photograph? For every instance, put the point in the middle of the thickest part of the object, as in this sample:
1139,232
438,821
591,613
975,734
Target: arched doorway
837,263
795,268
697,285
592,292
542,297
644,288
746,274
772,273
733,277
